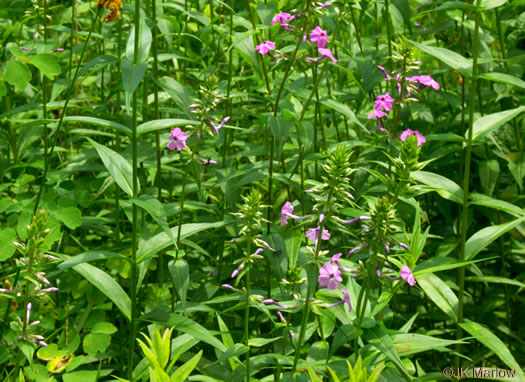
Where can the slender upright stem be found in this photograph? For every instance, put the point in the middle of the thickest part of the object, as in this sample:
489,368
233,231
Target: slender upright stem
134,220
247,308
275,110
44,87
155,117
466,182
61,120
390,36
306,306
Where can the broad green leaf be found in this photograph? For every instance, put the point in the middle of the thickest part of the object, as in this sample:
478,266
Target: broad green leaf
477,242
437,264
180,274
185,370
243,42
185,325
7,237
333,374
99,122
345,110
161,241
452,59
410,343
117,166
503,78
442,185
81,376
227,339
132,75
487,201
156,210
17,74
90,256
488,174
380,339
279,127
107,285
258,342
161,124
3,89
313,377
233,351
182,95
487,338
489,123
318,352
48,64
266,12
144,45
449,5
104,328
495,279
96,342
440,293
489,4
70,216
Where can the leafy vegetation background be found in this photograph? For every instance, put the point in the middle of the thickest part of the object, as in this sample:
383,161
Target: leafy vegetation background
152,151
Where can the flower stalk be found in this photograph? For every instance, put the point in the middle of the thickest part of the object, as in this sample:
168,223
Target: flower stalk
466,182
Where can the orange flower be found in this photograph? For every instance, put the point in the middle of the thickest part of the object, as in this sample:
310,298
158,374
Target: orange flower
113,6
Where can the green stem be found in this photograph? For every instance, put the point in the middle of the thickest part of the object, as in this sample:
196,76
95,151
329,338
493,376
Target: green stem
466,183
183,197
247,307
155,117
134,220
307,302
61,120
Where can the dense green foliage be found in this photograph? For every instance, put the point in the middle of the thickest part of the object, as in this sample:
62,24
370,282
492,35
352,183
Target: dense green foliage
263,190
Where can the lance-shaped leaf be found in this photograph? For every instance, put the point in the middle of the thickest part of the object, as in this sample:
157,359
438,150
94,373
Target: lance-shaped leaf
487,338
107,285
117,166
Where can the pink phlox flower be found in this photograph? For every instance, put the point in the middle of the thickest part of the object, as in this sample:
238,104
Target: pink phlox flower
320,37
313,234
359,218
177,139
335,260
265,47
236,272
424,80
217,128
346,299
329,276
384,102
356,249
325,52
287,212
282,18
420,140
384,71
270,301
377,114
406,274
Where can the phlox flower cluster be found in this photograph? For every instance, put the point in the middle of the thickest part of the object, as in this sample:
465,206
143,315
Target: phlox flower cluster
384,102
318,36
178,137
